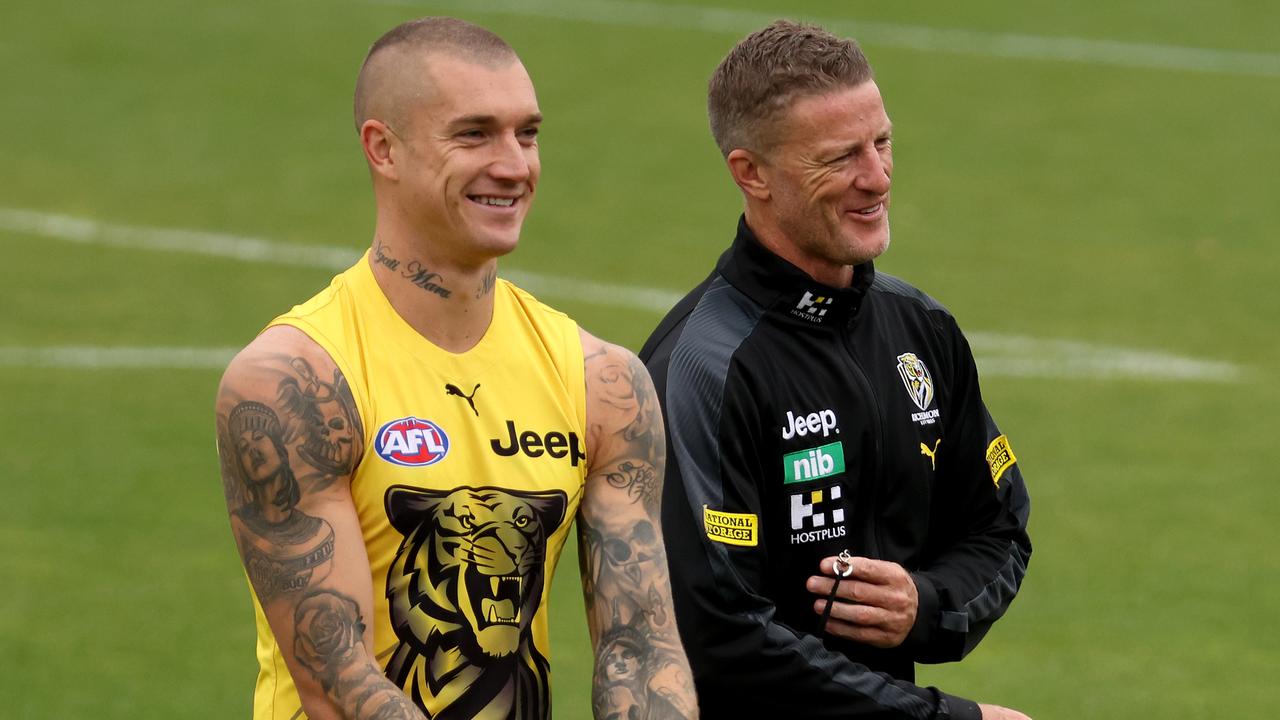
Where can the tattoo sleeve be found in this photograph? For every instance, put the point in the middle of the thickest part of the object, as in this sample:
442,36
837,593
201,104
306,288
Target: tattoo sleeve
640,668
328,642
289,438
271,459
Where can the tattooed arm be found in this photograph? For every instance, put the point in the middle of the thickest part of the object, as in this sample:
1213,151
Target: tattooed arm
289,438
640,668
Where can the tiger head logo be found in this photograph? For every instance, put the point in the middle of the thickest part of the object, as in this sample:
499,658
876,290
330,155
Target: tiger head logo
463,589
915,376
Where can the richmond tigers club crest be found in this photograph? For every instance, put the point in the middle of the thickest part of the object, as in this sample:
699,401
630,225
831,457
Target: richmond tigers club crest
463,590
917,379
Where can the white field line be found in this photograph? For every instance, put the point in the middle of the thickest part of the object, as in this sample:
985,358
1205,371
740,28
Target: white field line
1093,362
102,358
1021,356
997,354
252,249
637,13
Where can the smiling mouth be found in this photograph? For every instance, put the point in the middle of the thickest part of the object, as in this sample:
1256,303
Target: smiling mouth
868,211
492,200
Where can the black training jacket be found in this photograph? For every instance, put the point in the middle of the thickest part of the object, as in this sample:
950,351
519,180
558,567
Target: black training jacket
803,420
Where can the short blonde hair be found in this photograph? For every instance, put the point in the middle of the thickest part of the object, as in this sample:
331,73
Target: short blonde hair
768,70
450,36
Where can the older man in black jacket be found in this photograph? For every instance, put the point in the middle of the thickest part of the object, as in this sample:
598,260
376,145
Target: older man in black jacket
839,504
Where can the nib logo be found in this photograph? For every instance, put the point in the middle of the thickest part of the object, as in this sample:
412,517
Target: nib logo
813,464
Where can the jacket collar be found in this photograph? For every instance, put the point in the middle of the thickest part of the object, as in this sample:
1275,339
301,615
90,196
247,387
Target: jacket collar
787,291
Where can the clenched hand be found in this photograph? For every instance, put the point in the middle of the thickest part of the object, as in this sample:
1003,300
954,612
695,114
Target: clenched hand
875,605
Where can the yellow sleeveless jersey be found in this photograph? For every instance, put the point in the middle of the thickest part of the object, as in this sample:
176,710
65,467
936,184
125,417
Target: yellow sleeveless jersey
472,472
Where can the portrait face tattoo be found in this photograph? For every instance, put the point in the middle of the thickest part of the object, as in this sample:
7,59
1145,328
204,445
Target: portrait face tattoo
259,457
263,461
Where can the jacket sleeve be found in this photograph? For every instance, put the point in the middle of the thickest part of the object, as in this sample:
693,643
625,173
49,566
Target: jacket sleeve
746,663
978,546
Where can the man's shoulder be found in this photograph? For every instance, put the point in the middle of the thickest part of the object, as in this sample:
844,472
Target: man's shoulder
694,354
715,317
898,290
274,344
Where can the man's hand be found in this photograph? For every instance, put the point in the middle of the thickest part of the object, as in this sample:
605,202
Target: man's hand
995,712
876,604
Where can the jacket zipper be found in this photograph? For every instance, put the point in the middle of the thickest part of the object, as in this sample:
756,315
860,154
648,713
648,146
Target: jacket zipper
877,433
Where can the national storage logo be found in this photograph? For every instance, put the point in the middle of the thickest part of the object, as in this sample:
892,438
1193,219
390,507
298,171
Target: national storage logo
813,464
730,528
1000,457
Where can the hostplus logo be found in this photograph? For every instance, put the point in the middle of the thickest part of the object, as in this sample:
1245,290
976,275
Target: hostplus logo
812,307
815,515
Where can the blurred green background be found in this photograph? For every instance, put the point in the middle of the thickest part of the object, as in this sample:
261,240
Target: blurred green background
1088,186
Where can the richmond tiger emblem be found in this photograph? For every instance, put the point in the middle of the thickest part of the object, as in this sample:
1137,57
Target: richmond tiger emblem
463,590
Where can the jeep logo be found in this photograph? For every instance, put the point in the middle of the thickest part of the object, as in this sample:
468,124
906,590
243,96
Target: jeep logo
554,444
809,424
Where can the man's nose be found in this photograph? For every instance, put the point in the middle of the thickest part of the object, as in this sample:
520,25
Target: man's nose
511,161
873,174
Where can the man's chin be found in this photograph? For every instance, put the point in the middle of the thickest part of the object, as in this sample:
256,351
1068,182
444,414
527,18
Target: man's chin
865,248
495,243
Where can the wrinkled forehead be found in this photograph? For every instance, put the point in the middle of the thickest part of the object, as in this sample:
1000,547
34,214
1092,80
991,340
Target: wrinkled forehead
839,116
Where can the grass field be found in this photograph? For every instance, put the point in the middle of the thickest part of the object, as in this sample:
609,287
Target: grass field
1100,215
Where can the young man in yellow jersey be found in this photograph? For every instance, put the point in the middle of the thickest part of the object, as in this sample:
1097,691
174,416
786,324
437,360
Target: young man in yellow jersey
403,454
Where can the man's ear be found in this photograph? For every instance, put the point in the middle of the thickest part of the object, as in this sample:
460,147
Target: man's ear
377,140
749,172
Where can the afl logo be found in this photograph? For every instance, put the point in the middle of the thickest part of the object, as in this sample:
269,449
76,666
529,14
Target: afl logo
412,442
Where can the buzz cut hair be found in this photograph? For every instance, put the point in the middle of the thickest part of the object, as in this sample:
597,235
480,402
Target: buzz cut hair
768,71
445,35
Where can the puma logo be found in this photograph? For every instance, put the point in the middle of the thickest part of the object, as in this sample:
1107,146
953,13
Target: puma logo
451,389
933,459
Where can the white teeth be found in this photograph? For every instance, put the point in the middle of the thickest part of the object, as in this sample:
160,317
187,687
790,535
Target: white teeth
869,210
500,202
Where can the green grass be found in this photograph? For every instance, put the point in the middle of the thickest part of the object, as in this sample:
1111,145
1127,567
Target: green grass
1107,204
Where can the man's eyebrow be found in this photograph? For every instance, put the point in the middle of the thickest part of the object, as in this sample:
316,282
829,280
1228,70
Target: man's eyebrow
472,120
488,120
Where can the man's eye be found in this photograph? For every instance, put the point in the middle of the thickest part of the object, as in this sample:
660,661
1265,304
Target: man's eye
529,135
471,134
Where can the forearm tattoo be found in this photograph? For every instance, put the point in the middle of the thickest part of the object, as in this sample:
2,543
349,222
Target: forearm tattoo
641,669
328,642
